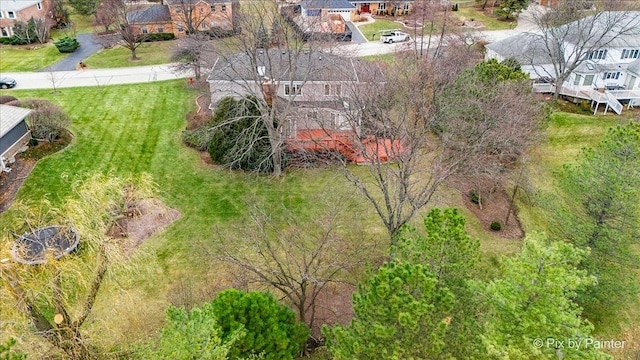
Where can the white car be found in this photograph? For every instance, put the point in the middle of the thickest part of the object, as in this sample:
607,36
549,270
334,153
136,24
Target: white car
394,36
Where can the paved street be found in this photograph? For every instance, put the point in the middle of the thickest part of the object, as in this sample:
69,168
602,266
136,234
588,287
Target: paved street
94,77
140,74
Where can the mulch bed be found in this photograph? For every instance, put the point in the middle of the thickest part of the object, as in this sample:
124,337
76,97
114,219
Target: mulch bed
494,208
10,182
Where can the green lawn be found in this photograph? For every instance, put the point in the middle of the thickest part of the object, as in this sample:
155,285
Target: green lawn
490,22
80,24
131,129
369,30
151,53
23,59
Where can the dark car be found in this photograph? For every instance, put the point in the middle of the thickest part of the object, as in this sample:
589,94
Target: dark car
7,83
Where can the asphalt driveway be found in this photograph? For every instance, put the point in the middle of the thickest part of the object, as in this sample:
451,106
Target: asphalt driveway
88,47
356,35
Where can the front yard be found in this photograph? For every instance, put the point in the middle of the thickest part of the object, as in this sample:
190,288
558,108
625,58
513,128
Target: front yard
28,57
150,53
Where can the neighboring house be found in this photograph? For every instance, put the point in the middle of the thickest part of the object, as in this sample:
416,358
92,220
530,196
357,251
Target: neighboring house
12,11
313,91
384,7
14,133
174,16
322,9
608,67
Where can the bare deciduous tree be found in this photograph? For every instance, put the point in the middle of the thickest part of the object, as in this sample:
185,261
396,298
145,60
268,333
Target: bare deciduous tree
193,53
124,16
269,61
298,262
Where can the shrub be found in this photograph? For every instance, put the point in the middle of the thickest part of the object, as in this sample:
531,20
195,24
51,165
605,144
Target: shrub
496,226
7,99
47,121
158,37
271,329
474,197
198,139
67,44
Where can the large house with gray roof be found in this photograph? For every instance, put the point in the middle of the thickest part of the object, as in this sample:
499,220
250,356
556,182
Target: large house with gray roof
315,87
14,133
602,53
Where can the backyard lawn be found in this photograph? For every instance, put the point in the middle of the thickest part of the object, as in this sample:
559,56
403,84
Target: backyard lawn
24,59
133,129
150,53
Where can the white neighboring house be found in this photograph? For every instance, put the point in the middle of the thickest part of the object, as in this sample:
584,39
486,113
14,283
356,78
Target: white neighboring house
607,63
14,133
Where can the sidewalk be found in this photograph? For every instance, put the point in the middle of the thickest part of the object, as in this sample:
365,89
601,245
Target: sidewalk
94,77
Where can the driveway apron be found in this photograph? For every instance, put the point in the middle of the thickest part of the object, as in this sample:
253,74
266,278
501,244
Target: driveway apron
88,47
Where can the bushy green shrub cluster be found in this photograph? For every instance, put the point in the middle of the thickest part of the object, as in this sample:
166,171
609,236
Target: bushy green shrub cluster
67,44
158,37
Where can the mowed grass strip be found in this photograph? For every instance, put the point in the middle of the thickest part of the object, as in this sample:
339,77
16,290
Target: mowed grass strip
369,30
28,58
151,53
491,22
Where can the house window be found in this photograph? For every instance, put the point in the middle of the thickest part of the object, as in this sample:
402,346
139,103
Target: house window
611,75
598,55
224,7
144,29
588,80
332,89
327,89
576,81
39,6
1,14
337,89
203,26
213,8
295,89
180,27
312,116
4,32
160,29
214,24
630,54
406,6
11,14
382,6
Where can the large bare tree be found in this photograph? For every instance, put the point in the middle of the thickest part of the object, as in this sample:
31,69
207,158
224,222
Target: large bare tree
299,263
573,31
123,16
270,62
411,143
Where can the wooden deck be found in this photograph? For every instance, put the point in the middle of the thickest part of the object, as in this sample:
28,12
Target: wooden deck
611,98
346,142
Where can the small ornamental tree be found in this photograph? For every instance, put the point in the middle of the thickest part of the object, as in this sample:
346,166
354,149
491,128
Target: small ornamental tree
400,313
271,329
47,121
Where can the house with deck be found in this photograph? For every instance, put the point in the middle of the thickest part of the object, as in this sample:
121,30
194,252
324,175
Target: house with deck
12,11
14,133
602,54
313,92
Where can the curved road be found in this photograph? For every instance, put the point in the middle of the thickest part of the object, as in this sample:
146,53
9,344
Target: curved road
88,47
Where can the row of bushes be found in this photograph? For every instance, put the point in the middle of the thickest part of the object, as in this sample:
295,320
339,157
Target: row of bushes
157,37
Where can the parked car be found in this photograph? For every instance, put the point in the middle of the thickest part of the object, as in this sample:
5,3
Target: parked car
7,83
392,36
